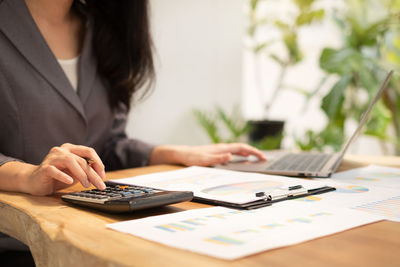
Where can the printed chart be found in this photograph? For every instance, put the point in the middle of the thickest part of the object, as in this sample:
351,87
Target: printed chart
351,189
371,176
309,199
231,234
390,208
199,222
375,200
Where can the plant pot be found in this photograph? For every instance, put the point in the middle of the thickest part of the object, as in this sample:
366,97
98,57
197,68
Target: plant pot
266,134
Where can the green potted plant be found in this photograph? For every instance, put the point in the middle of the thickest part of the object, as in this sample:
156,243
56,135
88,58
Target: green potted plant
268,133
370,47
222,127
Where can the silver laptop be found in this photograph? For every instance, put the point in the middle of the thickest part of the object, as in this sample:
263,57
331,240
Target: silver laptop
305,164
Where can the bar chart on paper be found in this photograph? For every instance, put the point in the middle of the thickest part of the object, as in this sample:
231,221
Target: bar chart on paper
389,208
373,189
371,176
231,234
351,189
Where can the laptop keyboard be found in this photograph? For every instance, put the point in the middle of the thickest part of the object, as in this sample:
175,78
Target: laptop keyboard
300,162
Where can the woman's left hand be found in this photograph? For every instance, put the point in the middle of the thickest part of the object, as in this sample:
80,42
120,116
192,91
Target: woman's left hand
206,155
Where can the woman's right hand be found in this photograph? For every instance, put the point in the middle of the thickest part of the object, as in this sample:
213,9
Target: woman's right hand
62,167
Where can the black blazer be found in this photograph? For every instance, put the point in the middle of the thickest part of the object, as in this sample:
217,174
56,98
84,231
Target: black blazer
39,108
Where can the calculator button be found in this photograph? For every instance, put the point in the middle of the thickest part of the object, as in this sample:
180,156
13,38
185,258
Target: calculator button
123,186
147,190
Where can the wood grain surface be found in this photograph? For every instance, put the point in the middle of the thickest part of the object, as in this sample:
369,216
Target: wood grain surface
59,234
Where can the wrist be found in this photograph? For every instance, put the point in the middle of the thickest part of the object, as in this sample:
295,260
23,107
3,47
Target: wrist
23,177
15,176
166,154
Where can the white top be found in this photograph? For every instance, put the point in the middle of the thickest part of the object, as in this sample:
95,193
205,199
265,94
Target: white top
71,67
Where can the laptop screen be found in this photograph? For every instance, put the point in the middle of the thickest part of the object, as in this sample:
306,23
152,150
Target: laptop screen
364,117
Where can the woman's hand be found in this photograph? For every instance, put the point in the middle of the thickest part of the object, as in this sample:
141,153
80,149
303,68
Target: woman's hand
202,155
62,167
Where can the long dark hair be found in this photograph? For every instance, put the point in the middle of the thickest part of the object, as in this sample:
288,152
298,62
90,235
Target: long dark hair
122,45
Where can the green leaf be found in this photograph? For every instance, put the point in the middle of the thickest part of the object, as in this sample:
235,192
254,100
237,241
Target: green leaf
304,4
282,25
339,21
332,103
268,143
309,17
259,47
277,59
309,142
360,34
235,124
208,124
378,122
342,61
254,4
290,40
368,80
332,136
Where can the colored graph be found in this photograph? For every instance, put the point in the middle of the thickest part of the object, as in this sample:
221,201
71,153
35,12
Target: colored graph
246,231
239,236
377,176
308,199
271,225
243,188
367,179
194,223
231,239
351,189
390,208
386,174
320,214
300,220
224,240
174,227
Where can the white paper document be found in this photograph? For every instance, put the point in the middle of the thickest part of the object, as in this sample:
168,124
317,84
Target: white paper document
372,189
231,234
222,185
372,175
375,200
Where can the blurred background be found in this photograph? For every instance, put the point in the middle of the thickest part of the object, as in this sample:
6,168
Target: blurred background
290,74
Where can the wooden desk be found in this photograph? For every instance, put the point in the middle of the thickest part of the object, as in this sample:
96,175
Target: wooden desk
61,235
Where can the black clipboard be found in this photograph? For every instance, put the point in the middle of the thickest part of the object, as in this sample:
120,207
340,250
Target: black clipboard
263,202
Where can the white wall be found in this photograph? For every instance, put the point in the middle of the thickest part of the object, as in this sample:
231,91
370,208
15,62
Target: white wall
199,65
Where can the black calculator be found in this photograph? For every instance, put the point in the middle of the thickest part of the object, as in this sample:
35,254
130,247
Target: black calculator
118,198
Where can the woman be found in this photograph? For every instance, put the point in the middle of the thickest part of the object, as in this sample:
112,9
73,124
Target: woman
69,71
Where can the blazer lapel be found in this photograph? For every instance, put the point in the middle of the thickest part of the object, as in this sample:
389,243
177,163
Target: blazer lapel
18,25
87,67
